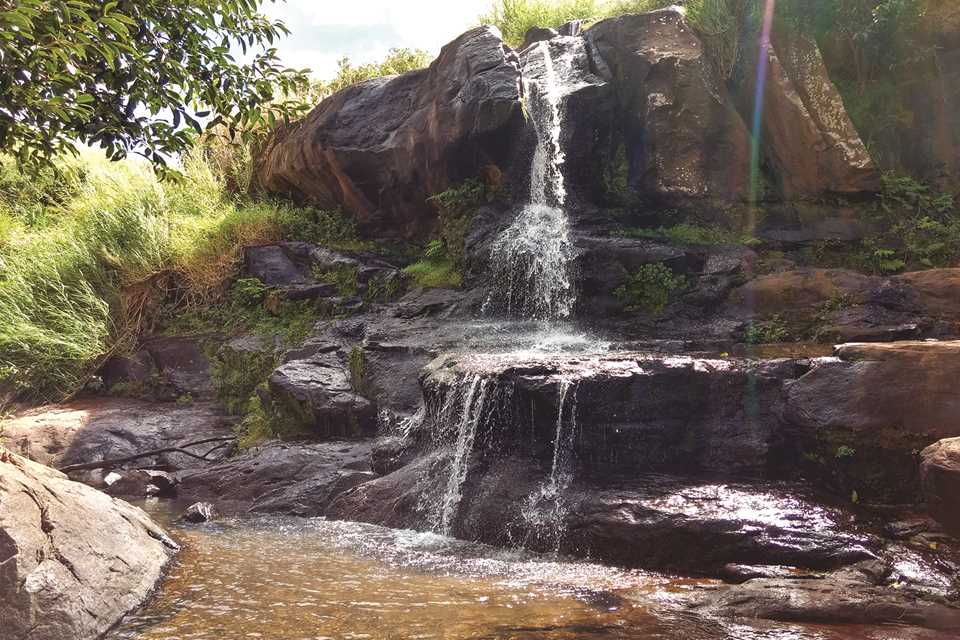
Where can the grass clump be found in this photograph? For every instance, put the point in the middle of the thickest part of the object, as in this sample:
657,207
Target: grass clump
515,17
650,289
90,261
770,331
356,362
343,277
434,273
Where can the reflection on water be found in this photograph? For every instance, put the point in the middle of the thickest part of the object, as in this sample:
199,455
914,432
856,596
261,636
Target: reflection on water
288,579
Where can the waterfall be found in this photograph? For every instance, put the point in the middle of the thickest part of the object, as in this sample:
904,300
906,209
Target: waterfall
472,410
530,260
467,404
544,510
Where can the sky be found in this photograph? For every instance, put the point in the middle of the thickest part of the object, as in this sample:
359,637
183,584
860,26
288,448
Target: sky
323,31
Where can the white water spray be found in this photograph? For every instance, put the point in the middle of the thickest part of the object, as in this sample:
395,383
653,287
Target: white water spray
545,510
530,260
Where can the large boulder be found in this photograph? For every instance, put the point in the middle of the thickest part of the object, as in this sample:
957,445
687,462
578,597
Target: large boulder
808,136
940,473
868,411
682,136
96,429
318,395
289,478
73,561
380,148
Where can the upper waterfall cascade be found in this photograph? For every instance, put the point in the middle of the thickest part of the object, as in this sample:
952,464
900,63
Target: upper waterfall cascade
531,259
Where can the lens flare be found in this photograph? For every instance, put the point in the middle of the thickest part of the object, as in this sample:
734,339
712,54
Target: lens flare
758,99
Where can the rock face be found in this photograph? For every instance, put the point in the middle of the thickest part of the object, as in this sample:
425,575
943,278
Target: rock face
849,409
682,136
382,147
803,110
850,306
105,428
287,478
641,412
940,472
73,561
644,114
318,395
854,391
850,596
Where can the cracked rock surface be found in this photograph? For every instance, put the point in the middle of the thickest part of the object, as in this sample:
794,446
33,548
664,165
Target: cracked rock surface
73,561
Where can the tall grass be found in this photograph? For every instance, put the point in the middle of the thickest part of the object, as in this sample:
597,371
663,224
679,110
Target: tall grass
83,274
515,17
718,22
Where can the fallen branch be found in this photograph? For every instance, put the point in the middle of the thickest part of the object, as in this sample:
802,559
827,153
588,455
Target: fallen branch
112,462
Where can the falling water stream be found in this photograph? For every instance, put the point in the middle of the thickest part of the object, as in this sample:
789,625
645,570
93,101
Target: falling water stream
530,260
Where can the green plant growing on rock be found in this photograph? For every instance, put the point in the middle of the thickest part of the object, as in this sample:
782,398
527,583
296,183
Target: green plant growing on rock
344,277
236,373
649,289
249,292
773,330
456,208
434,274
355,362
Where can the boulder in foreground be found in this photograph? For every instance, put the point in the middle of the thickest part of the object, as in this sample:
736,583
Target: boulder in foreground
73,561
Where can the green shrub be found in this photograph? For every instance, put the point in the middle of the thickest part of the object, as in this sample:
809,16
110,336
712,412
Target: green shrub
434,274
396,62
650,288
770,331
343,277
456,207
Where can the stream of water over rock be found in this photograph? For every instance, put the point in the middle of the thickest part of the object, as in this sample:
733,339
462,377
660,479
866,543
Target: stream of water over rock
530,260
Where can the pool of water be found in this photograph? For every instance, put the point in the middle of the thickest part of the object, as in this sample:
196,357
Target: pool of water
292,579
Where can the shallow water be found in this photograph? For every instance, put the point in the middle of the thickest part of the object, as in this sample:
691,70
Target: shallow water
291,579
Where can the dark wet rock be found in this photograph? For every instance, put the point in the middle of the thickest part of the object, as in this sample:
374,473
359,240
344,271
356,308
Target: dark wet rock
869,429
136,369
106,428
802,109
848,596
539,34
199,512
380,148
139,484
683,138
311,292
650,521
391,454
803,225
286,478
272,266
317,394
940,473
404,499
636,412
906,529
182,364
740,573
74,560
